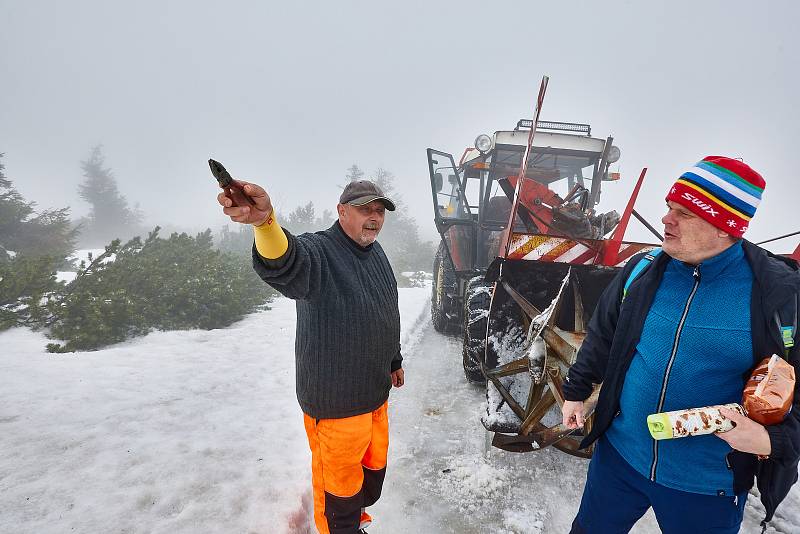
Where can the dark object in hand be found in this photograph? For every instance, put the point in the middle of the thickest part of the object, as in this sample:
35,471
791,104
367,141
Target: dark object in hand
233,189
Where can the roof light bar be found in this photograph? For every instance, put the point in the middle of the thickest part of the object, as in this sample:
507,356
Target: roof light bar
559,126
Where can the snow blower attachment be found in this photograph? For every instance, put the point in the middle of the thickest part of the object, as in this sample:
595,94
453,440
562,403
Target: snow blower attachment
529,351
537,322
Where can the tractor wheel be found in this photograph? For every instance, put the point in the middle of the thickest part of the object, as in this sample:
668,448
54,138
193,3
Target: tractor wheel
444,282
476,316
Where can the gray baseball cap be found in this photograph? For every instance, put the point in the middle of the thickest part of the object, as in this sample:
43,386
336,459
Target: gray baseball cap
363,192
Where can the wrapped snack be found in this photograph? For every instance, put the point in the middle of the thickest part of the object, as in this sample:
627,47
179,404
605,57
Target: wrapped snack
768,394
691,422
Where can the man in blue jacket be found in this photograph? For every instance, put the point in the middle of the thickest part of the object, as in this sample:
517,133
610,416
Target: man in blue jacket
686,333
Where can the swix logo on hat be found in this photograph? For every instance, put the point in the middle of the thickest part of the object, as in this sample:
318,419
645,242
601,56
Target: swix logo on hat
703,206
723,191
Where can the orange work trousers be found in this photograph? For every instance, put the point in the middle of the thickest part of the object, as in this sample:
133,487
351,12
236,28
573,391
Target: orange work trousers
348,464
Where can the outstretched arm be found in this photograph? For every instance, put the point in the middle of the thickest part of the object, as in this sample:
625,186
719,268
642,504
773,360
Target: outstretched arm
290,266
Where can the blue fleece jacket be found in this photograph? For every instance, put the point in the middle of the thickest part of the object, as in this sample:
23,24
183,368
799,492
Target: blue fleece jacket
694,351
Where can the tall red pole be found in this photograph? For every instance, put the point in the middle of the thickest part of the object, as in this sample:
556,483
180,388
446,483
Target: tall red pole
524,163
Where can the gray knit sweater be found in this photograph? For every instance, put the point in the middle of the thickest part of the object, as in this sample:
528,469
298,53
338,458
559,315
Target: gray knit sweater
348,322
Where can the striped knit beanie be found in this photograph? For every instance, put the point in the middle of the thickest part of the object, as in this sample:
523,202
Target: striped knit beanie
723,191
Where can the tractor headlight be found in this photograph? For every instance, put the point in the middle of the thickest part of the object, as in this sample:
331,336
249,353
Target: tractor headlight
613,154
483,143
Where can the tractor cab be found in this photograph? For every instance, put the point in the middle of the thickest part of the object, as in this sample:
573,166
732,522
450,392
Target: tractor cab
473,197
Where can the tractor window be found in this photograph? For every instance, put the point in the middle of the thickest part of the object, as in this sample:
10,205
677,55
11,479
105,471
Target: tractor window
545,167
498,209
449,201
472,191
559,170
447,183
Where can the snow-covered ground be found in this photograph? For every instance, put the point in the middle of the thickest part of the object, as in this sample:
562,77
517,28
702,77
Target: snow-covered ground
200,431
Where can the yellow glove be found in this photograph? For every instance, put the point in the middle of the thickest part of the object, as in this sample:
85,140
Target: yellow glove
271,241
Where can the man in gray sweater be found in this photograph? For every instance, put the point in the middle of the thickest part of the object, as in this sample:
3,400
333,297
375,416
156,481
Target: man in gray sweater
347,345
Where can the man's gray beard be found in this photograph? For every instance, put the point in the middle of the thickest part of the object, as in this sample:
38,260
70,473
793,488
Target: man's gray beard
365,240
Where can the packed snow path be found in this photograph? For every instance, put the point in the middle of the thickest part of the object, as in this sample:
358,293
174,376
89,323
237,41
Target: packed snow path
186,432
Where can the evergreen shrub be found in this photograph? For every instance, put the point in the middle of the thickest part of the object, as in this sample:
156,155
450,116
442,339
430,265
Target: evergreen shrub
177,283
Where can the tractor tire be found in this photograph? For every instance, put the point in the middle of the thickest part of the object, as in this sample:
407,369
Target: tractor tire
476,316
444,282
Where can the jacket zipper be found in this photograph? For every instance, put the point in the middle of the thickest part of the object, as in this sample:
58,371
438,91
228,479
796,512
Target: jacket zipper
662,397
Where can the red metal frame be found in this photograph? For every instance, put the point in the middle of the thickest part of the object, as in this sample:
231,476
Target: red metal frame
611,246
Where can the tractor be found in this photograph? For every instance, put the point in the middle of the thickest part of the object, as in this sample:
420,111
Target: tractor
523,259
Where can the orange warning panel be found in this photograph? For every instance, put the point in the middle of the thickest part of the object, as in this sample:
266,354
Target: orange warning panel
537,247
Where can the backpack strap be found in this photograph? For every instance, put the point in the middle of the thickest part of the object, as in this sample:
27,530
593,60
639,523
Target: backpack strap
786,321
640,267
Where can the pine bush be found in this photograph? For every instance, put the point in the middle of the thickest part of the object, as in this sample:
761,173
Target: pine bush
177,283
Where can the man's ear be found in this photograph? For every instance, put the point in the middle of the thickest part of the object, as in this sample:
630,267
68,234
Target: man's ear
728,237
340,209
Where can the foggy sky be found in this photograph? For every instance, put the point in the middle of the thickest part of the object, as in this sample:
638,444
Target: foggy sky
290,94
